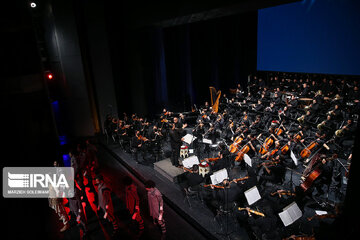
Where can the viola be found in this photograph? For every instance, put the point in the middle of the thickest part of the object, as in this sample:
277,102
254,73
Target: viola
307,151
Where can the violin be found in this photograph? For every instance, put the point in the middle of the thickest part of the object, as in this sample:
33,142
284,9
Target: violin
187,169
307,150
142,138
239,179
270,163
273,152
215,186
211,159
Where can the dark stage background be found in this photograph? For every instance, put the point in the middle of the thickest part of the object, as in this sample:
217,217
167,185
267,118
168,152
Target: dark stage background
173,67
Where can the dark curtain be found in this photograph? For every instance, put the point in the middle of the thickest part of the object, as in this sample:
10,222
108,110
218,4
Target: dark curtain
178,64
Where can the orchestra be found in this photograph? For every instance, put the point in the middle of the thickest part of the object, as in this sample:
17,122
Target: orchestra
271,122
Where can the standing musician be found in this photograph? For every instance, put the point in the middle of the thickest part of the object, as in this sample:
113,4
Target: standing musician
176,133
137,143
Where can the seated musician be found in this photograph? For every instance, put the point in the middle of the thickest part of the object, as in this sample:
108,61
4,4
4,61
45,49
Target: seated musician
182,120
266,227
273,171
193,178
293,104
225,195
305,90
273,151
218,162
325,167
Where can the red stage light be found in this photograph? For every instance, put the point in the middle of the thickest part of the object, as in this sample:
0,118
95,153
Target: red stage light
49,76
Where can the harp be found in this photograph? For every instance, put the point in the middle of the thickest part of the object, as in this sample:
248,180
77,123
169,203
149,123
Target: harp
215,98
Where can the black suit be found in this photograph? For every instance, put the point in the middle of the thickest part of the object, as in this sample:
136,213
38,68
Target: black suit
175,142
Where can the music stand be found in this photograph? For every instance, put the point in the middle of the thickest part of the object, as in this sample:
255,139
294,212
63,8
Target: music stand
290,181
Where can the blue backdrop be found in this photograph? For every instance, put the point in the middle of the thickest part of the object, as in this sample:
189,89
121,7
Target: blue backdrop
313,36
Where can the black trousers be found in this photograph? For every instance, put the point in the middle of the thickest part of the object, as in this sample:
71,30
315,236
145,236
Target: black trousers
175,152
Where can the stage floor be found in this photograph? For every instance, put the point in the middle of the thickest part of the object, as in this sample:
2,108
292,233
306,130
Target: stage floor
198,214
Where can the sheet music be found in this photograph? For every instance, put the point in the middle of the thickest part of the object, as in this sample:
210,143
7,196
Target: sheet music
207,141
293,157
290,214
247,160
190,161
189,138
219,176
319,212
252,195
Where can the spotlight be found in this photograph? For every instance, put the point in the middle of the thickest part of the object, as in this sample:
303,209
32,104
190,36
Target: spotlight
49,75
33,5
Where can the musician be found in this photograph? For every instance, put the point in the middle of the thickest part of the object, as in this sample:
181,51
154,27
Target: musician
176,133
258,107
225,197
182,120
136,146
325,166
265,227
354,94
305,91
273,172
218,162
332,89
193,178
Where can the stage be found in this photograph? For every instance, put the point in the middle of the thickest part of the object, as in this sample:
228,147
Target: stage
195,212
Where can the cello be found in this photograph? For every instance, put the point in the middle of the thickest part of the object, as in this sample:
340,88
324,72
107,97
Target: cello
314,175
307,150
266,145
233,147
